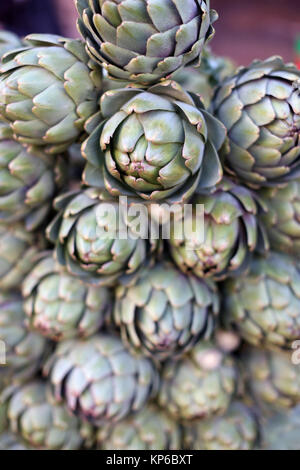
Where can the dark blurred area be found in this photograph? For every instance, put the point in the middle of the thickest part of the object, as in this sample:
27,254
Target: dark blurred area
27,16
246,29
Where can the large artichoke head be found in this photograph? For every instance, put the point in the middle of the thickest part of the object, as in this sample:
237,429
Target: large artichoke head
21,350
282,217
95,239
260,107
29,179
155,144
264,305
200,384
47,91
150,429
18,252
60,306
164,313
42,423
224,245
99,380
8,42
144,41
272,377
235,430
281,430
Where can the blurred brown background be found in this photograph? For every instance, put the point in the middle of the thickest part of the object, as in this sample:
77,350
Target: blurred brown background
246,29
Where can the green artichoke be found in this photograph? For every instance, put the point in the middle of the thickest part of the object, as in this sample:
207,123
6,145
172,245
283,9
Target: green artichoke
231,234
236,430
60,306
281,431
8,42
200,384
28,181
18,252
23,350
48,91
273,379
9,441
150,429
264,306
145,41
42,423
164,313
89,240
282,218
99,380
260,106
155,144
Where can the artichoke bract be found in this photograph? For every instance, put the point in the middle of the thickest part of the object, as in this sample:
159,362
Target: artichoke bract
10,441
144,41
231,234
60,306
260,107
150,429
236,430
42,423
155,144
91,243
9,41
99,380
264,306
281,430
29,180
19,250
282,217
200,384
164,313
48,91
272,377
24,350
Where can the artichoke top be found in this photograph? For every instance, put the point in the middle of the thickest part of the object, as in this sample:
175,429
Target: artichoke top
96,240
48,90
60,306
260,107
155,144
144,41
231,233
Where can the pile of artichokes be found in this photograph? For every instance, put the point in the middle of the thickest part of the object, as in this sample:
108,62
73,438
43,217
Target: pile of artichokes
136,342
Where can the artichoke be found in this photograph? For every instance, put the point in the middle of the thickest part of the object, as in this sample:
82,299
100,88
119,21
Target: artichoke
273,379
9,441
29,179
99,380
42,423
48,91
200,384
155,144
231,234
264,306
8,42
24,350
236,430
164,313
60,306
150,429
90,242
145,41
18,252
281,430
260,106
282,218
